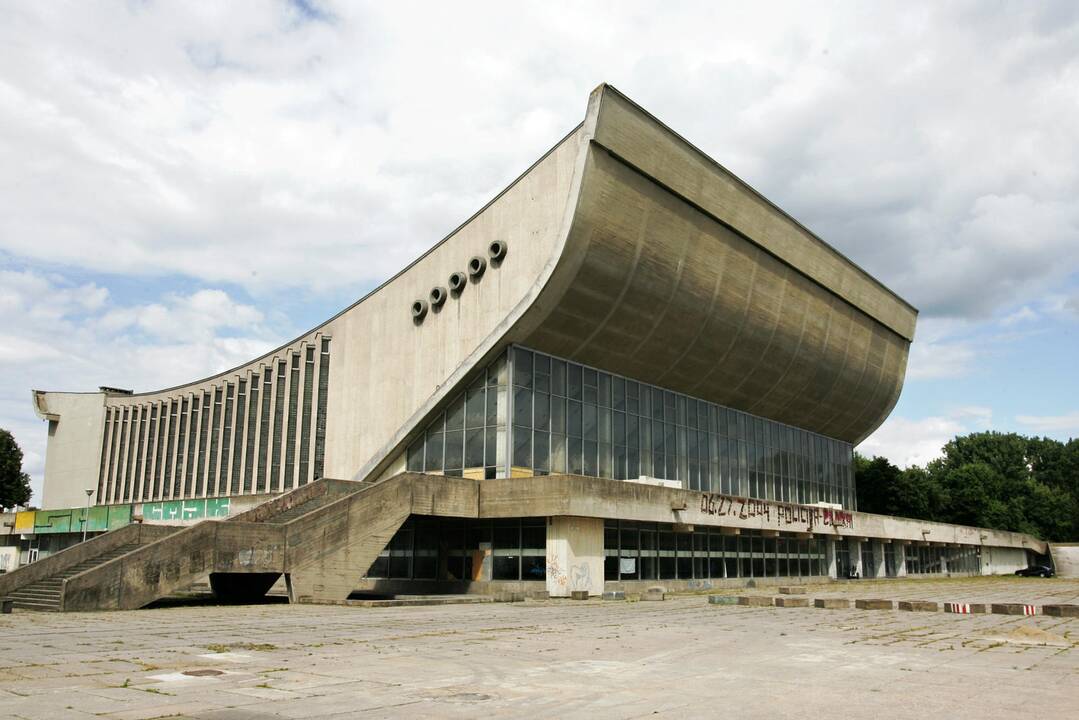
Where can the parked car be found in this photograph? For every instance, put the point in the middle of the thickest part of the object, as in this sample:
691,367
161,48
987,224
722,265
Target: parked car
1036,571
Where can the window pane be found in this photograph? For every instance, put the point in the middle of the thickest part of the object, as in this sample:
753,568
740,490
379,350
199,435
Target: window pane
522,407
522,367
522,448
474,448
542,411
475,414
454,449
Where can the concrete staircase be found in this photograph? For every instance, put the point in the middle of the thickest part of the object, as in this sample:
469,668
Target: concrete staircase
41,585
45,594
322,537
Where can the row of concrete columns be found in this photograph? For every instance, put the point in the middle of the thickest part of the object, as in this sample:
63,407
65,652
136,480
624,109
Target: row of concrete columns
575,556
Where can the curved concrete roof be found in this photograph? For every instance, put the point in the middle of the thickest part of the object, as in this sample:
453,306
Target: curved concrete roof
669,287
629,250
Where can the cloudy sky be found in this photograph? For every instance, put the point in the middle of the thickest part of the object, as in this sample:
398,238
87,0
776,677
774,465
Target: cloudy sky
184,185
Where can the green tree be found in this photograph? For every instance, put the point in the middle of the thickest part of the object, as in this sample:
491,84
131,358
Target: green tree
14,483
884,489
876,482
918,495
972,488
995,480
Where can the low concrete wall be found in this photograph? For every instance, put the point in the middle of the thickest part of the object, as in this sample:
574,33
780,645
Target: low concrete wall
704,585
394,586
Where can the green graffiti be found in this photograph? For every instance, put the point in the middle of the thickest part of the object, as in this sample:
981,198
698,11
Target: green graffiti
55,521
180,510
110,517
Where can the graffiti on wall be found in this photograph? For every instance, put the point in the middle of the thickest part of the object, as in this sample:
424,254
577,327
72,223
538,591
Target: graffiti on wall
179,510
71,520
782,513
109,517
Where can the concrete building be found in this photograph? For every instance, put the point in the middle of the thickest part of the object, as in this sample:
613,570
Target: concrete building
629,367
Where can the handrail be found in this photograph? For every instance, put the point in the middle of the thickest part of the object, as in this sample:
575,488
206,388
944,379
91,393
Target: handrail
68,557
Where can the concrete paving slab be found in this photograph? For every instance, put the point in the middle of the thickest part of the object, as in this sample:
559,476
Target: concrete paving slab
559,659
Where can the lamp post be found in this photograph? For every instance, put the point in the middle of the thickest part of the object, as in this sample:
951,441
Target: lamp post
86,515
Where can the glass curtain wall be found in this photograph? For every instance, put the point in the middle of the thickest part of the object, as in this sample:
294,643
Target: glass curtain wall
653,551
534,414
433,548
469,439
923,560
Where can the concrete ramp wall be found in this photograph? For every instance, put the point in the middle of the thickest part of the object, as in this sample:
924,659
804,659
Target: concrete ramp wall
1065,559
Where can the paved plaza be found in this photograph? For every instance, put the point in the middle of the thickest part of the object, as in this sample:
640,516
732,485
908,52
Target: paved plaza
678,658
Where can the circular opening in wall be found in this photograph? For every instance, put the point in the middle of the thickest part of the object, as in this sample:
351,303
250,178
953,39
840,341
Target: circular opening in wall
438,296
476,266
497,251
419,309
457,283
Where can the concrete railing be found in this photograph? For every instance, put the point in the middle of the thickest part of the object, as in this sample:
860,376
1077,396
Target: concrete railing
268,510
69,557
159,568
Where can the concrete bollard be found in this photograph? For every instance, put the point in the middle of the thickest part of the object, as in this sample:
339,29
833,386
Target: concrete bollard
755,600
783,601
654,593
508,596
579,594
964,608
832,603
5,605
792,590
614,595
874,604
722,599
1013,609
1061,610
918,605
539,595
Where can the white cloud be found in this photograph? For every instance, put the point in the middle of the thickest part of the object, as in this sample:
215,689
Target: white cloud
198,316
905,441
1022,315
60,336
250,145
1067,423
941,349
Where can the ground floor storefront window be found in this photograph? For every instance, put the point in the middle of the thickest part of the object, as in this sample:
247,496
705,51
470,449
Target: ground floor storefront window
432,548
929,560
869,565
654,551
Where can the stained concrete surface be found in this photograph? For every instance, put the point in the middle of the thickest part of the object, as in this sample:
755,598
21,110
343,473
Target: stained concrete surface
558,658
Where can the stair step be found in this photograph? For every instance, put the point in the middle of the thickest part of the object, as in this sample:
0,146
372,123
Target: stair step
35,592
36,605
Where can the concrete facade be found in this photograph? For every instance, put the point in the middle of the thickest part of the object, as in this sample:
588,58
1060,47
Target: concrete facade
623,249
